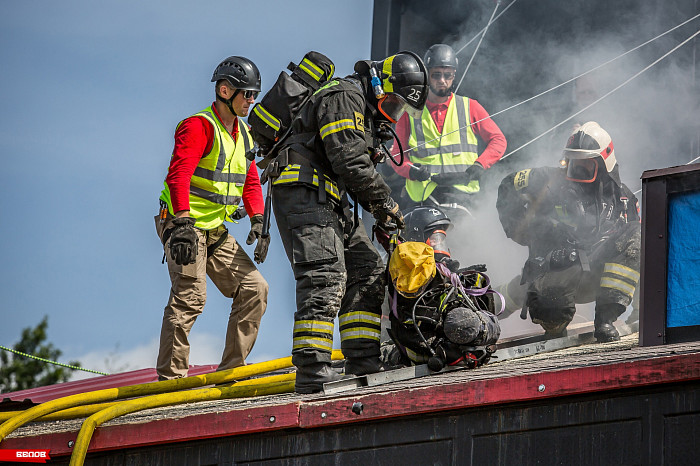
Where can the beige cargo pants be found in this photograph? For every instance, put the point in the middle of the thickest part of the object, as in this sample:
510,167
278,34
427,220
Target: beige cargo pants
236,276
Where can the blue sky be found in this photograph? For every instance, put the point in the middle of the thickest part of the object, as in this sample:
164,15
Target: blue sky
91,93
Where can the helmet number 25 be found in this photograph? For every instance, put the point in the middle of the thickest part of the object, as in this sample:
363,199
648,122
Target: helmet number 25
414,95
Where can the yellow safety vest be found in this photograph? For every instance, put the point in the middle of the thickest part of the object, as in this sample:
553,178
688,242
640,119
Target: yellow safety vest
453,150
216,186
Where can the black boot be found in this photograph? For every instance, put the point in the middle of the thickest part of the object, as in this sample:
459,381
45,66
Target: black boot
364,366
554,330
310,378
605,333
605,315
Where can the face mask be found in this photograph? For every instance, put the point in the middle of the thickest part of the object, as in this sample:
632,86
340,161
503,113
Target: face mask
582,170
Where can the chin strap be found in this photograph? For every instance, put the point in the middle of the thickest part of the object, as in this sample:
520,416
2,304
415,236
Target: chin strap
228,102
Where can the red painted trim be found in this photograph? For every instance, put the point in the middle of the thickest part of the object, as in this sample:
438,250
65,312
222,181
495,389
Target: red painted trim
390,404
476,393
197,427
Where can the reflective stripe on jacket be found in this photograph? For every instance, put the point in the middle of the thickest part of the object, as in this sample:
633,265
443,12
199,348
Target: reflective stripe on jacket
292,174
453,150
217,184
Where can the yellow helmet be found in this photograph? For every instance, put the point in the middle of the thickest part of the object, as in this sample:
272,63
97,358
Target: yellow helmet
412,268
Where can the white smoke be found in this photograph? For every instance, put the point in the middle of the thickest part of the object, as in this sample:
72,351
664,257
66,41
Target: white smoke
654,120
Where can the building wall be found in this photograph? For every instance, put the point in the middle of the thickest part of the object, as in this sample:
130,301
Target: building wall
641,426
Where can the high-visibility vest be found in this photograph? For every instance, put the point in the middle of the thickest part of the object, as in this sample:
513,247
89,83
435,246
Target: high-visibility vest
216,186
453,150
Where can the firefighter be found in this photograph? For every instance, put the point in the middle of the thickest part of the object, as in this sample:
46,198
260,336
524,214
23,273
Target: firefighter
208,176
430,225
337,269
582,227
435,312
443,165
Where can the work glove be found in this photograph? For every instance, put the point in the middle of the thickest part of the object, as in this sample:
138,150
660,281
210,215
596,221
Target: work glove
417,172
256,228
183,241
473,173
239,213
387,214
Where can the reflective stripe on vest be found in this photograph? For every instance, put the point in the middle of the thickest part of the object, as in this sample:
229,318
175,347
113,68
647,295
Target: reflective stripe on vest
217,184
453,150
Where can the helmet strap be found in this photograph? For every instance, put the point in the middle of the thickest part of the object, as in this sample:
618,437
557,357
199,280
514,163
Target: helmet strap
228,102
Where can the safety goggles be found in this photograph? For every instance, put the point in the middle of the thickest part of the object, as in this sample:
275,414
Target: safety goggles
392,106
582,170
437,75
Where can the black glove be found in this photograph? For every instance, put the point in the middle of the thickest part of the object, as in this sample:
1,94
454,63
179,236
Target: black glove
239,213
417,172
386,211
450,179
472,173
183,241
256,228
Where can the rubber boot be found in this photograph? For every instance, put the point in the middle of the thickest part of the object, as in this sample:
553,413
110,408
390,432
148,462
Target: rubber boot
310,378
364,366
605,333
554,330
605,315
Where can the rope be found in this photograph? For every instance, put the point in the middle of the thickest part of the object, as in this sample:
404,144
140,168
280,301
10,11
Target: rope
559,85
605,95
484,29
75,368
498,3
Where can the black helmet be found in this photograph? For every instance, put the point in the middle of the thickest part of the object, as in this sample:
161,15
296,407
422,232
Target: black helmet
440,55
404,81
422,221
240,72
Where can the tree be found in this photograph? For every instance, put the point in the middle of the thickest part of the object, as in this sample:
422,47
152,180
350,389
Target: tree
19,372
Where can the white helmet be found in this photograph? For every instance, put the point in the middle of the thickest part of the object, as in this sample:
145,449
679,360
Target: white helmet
587,147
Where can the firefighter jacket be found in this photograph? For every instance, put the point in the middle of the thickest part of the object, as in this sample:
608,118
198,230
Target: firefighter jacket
450,151
598,222
217,184
329,145
539,208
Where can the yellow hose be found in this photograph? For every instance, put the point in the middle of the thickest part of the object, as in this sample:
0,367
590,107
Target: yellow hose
264,386
64,414
130,391
87,410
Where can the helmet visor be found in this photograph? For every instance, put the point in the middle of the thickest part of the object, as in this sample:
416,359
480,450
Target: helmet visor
582,170
392,106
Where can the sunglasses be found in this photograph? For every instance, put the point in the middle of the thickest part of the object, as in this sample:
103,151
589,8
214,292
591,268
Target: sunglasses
249,94
449,75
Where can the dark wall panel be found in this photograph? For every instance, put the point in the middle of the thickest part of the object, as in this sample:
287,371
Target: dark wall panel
653,426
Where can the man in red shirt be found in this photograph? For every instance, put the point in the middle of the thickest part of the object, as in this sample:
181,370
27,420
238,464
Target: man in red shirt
208,176
441,164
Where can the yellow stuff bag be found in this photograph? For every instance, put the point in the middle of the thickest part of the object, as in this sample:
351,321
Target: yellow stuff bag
412,267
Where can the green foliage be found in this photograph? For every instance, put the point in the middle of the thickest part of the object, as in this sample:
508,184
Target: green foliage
19,372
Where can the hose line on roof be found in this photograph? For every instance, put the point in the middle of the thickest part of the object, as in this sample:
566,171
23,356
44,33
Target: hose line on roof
88,410
130,391
272,385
